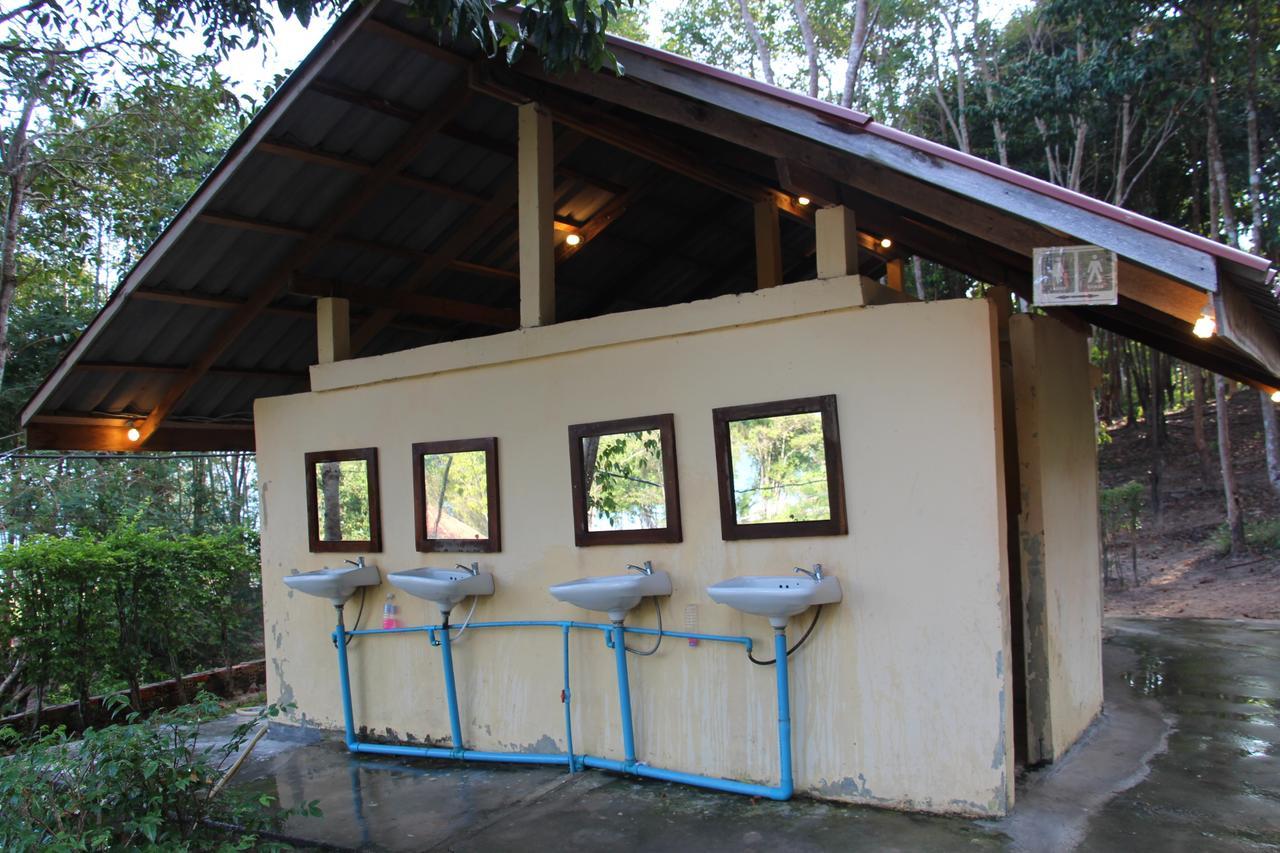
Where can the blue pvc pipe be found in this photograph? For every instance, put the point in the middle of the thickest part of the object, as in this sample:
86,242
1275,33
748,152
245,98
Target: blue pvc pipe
615,636
624,693
451,690
340,640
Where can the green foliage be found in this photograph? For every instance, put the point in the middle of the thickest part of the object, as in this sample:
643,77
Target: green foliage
626,481
780,469
136,785
87,614
457,487
1262,536
1121,507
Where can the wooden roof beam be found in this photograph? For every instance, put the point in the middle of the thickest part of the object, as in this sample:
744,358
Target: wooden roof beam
266,227
477,225
142,367
400,155
44,433
408,303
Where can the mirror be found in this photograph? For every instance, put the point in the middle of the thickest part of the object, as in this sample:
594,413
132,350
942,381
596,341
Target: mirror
342,500
779,471
455,495
624,481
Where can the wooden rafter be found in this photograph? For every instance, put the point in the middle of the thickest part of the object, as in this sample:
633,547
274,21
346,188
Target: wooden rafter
408,303
411,143
459,240
266,227
228,303
143,367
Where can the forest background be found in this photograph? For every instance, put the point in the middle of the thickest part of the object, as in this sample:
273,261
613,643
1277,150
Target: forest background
109,120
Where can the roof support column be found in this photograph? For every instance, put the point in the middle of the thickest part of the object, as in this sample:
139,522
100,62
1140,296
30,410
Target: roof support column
893,274
333,329
536,181
837,235
768,245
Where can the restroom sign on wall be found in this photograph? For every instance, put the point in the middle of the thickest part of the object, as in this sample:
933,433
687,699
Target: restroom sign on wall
1074,275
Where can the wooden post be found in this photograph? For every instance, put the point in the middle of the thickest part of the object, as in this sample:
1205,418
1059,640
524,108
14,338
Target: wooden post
333,329
537,217
837,236
893,274
768,245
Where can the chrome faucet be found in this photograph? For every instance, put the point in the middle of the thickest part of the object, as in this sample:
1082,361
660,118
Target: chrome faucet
816,574
358,562
646,569
473,569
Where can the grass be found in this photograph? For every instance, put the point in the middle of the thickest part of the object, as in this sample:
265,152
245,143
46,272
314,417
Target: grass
1261,536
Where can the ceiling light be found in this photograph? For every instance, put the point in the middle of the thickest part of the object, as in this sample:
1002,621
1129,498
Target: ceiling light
133,433
802,200
885,243
1204,326
1275,396
573,239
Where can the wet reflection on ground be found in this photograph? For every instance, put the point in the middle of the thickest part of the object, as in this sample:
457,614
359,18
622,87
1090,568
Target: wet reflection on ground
1216,787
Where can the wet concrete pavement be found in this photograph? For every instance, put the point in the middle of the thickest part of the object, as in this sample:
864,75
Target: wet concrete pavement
1185,758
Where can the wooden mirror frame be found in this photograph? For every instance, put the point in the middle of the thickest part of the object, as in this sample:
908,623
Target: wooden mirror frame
369,455
730,527
426,544
665,425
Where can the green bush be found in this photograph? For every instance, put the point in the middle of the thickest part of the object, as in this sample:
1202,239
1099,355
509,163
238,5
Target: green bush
140,785
1121,507
1261,536
92,615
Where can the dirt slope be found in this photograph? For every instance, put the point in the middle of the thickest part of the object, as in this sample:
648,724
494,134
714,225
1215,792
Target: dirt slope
1180,572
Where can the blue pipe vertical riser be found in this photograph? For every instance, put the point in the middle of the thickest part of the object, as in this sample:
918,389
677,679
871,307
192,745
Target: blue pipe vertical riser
616,637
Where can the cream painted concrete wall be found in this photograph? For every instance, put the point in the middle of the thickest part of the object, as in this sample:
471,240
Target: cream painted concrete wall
1059,537
901,696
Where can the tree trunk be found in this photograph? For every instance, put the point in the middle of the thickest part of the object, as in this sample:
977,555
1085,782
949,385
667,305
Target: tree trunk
1271,434
810,44
1197,421
762,47
857,50
16,167
917,272
1255,147
1235,516
1213,140
1153,434
330,477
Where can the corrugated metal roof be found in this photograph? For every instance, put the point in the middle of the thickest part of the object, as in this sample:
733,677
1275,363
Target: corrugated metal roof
354,101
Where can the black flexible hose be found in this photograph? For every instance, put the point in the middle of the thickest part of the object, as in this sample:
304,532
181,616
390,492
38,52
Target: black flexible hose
816,613
645,654
359,615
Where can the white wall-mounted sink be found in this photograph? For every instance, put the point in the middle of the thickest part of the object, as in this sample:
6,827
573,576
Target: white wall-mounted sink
444,587
336,584
779,597
612,594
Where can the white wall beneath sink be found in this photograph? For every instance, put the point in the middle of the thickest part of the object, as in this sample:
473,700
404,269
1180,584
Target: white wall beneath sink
902,695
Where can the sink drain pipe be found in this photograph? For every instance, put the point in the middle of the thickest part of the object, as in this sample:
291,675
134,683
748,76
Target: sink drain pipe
615,636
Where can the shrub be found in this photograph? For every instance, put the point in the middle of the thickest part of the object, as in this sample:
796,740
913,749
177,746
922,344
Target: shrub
1262,536
139,785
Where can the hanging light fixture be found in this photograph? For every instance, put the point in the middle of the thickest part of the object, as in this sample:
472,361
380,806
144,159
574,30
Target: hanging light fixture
885,243
133,434
1275,396
803,200
1206,324
573,239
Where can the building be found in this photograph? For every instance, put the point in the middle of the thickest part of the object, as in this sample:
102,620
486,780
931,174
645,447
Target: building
412,245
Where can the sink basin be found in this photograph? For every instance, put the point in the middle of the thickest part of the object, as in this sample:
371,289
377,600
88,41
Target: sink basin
336,584
777,597
444,587
613,594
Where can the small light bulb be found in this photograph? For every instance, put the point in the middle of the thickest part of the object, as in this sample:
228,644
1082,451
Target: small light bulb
1205,326
1275,396
802,200
133,433
573,239
886,243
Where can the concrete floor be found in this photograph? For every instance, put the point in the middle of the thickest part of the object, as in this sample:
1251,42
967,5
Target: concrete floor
1185,758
